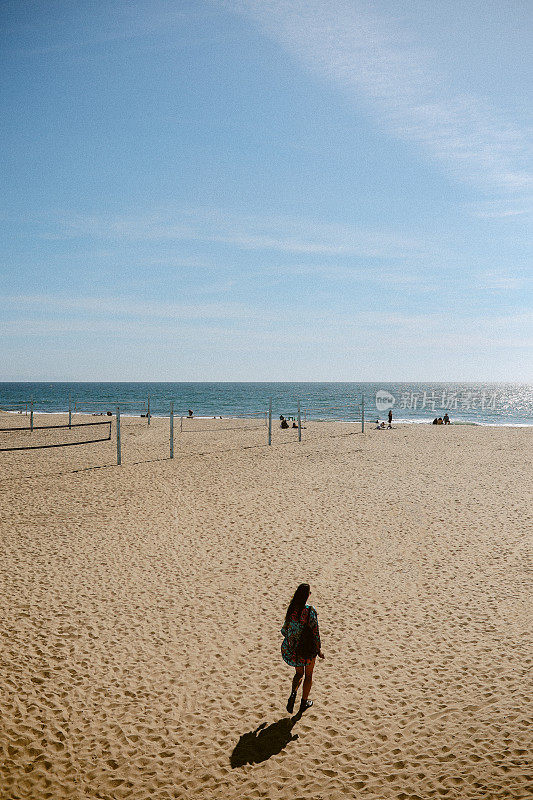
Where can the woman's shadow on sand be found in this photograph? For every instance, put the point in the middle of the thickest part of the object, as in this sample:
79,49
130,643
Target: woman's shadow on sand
264,742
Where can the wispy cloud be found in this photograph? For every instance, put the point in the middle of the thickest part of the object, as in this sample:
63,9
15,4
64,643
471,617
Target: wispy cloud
499,209
281,234
124,307
500,280
69,30
370,276
372,58
371,331
24,329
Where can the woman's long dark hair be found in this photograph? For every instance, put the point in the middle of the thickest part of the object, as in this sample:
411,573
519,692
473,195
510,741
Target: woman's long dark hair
298,601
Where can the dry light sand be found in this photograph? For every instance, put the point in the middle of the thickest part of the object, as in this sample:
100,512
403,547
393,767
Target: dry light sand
141,608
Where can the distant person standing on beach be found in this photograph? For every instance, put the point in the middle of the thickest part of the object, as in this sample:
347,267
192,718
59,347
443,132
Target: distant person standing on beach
301,644
390,417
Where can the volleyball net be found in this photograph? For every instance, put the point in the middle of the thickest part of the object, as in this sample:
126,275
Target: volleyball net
350,413
344,413
128,408
14,407
251,421
39,437
31,436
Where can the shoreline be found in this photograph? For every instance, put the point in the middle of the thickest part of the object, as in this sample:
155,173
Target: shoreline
368,421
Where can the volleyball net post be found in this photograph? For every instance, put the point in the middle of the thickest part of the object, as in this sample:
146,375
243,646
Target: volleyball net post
148,414
172,430
119,454
269,438
362,413
69,411
299,423
31,414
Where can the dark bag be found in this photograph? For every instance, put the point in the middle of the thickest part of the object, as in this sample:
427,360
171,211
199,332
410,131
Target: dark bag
306,647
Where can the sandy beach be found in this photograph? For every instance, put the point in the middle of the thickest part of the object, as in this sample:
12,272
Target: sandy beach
142,607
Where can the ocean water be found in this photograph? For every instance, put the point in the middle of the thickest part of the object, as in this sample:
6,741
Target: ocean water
474,403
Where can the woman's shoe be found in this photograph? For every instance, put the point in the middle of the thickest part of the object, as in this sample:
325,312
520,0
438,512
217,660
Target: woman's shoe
304,705
290,702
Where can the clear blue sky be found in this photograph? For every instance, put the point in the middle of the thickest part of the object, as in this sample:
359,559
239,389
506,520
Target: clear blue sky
265,190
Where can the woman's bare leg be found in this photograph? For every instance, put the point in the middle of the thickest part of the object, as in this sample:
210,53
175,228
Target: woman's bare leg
298,675
308,680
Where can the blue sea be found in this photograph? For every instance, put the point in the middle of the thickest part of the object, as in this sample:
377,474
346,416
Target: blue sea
474,403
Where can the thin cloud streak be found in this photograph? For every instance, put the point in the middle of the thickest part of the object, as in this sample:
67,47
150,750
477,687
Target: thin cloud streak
117,23
295,236
119,306
500,281
369,56
107,310
373,332
496,209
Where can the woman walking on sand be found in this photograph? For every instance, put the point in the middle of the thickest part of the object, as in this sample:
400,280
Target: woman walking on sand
301,644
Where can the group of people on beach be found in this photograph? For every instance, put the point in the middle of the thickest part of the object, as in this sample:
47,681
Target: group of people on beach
190,414
381,426
284,423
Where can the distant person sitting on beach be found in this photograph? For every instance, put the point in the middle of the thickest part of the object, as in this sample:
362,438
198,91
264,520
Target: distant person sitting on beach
446,419
435,421
439,421
284,423
294,425
301,645
281,417
190,413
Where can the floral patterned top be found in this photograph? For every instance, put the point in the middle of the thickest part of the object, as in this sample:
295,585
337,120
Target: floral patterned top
292,635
